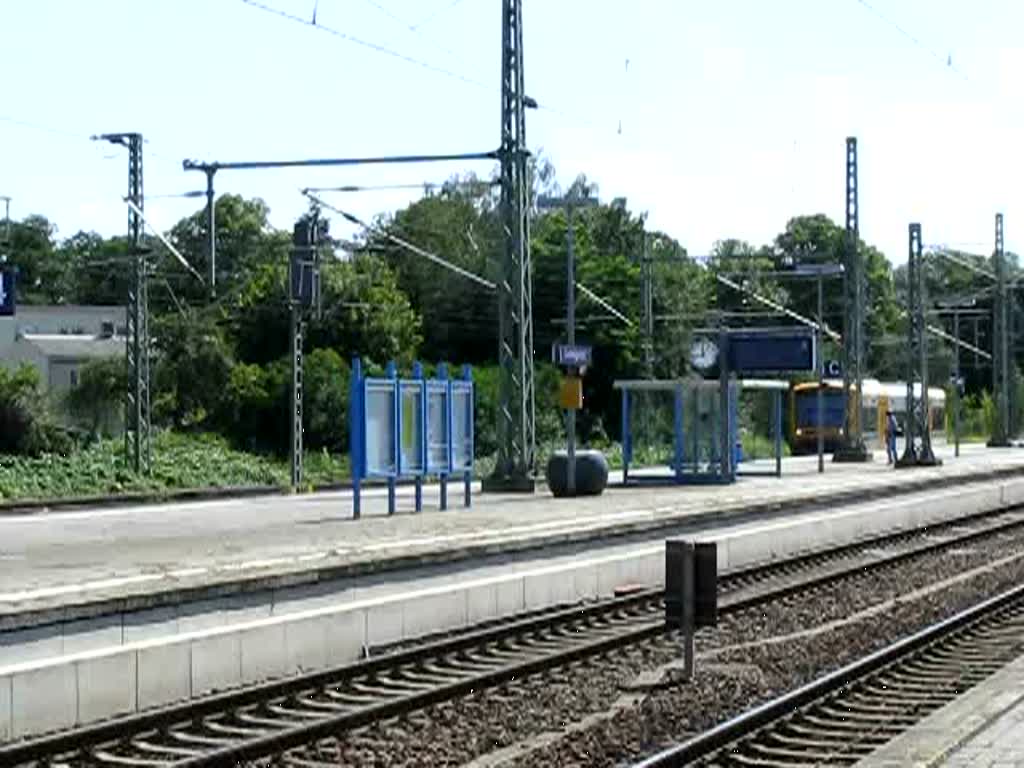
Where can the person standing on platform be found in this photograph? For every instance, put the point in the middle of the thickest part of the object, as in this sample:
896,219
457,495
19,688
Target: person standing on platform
890,436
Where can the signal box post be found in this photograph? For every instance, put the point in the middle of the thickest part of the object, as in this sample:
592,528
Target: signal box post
691,591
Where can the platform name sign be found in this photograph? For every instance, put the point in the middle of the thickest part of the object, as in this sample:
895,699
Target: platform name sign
771,351
575,356
7,292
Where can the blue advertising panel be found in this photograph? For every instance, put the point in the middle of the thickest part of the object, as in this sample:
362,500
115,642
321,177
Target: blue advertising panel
774,352
462,426
379,427
437,428
7,291
411,428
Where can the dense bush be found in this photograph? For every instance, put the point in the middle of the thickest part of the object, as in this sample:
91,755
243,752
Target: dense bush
191,370
254,412
97,400
26,424
326,395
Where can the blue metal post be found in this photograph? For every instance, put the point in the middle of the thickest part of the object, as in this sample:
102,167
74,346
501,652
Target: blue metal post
627,438
778,433
442,374
391,372
678,429
467,375
356,441
417,373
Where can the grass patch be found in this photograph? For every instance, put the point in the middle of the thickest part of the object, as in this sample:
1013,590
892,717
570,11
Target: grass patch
180,461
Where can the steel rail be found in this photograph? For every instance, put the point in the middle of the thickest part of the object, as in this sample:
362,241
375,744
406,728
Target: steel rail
714,745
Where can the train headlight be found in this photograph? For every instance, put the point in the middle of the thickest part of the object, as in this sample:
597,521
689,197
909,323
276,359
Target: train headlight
799,431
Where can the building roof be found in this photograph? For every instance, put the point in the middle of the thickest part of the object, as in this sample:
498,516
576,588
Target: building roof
98,310
74,346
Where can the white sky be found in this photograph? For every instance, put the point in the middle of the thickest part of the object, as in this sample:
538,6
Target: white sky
733,113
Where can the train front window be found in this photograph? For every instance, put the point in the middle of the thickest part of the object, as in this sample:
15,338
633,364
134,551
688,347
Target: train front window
807,409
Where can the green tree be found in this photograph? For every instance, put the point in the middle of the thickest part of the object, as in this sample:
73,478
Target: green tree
42,275
245,243
326,391
99,268
26,424
99,395
460,225
681,294
193,367
254,411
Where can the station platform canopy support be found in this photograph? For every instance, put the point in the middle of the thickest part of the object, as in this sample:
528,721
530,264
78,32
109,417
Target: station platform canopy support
686,431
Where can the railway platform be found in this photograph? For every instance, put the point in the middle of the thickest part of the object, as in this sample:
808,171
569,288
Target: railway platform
984,728
53,565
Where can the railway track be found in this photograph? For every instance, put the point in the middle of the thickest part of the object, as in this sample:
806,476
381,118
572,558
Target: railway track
273,718
844,716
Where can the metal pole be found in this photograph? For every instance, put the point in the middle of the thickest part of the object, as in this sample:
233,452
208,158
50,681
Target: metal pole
514,469
778,434
956,383
7,227
647,301
851,446
211,234
1000,348
296,405
689,595
821,378
570,300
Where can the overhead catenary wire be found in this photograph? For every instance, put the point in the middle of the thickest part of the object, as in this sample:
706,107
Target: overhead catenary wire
956,259
413,28
401,242
946,61
428,186
778,307
377,47
174,251
603,303
439,12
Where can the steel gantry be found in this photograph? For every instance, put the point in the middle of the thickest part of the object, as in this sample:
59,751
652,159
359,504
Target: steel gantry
516,409
516,463
851,446
137,400
918,451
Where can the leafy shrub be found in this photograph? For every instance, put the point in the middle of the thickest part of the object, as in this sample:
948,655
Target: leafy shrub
326,394
26,425
95,402
192,369
254,410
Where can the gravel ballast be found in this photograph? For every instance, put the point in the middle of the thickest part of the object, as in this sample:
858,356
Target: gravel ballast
615,708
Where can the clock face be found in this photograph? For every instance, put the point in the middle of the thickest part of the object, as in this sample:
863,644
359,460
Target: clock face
703,353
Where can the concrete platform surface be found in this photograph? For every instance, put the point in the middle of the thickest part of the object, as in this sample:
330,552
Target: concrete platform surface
116,665
60,560
984,728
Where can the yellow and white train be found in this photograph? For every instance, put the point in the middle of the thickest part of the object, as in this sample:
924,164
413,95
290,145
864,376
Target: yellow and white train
878,396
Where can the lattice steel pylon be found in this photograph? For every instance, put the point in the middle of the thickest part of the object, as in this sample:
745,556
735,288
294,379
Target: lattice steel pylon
918,450
515,467
647,307
851,446
1000,344
137,400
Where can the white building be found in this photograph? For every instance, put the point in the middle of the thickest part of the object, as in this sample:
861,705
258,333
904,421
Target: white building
59,340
